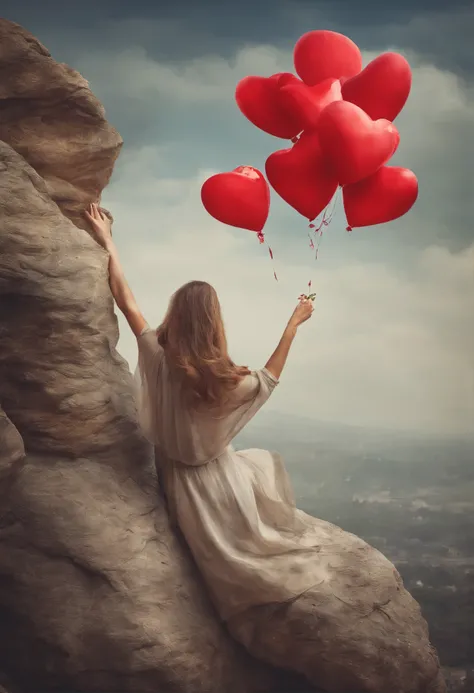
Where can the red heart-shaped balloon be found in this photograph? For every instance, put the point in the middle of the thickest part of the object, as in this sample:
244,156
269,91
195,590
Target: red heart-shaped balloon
386,195
259,100
307,103
301,177
355,145
382,88
326,54
239,198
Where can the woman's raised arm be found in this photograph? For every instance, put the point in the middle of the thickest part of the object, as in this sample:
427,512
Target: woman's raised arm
277,360
121,291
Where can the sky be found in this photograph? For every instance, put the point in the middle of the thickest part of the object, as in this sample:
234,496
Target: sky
391,341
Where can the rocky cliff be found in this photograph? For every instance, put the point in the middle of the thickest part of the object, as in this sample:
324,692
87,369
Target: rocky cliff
97,591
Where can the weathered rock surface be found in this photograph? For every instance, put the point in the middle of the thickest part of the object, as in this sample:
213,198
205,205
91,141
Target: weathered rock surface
51,118
97,592
373,638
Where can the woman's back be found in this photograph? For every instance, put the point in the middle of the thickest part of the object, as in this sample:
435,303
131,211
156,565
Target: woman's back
185,433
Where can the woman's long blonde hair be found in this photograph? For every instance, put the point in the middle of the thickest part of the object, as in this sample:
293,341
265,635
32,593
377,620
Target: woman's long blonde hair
193,337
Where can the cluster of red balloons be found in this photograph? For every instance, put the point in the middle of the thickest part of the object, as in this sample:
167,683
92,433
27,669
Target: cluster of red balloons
339,118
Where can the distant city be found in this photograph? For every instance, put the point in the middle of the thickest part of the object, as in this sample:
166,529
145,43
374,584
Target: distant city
410,496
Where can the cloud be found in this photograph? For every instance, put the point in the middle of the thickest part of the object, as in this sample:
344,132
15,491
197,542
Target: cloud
132,72
386,346
182,31
442,37
436,142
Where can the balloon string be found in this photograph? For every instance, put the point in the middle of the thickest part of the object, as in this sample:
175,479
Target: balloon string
319,231
261,240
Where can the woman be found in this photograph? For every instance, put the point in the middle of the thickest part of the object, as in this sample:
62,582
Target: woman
235,509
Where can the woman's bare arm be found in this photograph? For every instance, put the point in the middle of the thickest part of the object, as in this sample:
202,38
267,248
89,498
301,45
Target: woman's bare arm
121,291
277,360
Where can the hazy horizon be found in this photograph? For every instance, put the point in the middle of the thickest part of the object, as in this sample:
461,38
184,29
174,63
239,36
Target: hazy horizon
285,421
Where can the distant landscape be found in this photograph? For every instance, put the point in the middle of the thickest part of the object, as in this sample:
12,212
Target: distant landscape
409,495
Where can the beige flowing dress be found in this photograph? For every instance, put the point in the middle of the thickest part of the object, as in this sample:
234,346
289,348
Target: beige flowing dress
235,508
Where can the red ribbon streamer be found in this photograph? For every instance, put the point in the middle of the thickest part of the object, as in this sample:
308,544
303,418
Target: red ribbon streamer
261,239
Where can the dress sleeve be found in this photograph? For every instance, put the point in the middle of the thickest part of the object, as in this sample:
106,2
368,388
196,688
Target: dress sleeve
250,396
148,347
267,382
150,355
